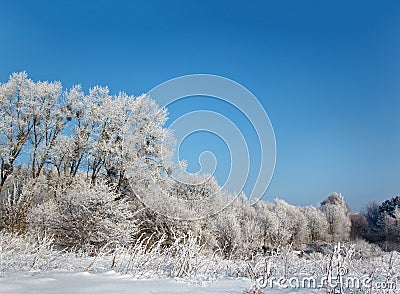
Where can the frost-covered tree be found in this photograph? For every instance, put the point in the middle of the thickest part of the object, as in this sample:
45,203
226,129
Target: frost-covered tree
237,228
251,226
16,98
383,223
284,226
372,215
227,231
194,187
390,207
49,119
389,222
301,232
317,224
337,214
70,135
283,223
336,199
69,152
32,118
110,117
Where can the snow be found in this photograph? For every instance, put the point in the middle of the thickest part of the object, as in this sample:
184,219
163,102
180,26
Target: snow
112,282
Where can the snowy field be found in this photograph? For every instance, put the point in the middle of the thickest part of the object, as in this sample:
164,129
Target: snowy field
38,268
112,282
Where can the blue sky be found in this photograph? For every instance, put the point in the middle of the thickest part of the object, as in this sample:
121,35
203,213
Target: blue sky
328,73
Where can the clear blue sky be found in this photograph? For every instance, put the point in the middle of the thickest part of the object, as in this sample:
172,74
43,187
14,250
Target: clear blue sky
327,72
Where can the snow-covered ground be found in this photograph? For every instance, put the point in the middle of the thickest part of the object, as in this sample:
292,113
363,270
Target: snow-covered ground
36,267
112,282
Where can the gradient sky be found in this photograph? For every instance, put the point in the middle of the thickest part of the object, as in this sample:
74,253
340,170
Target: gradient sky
327,73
